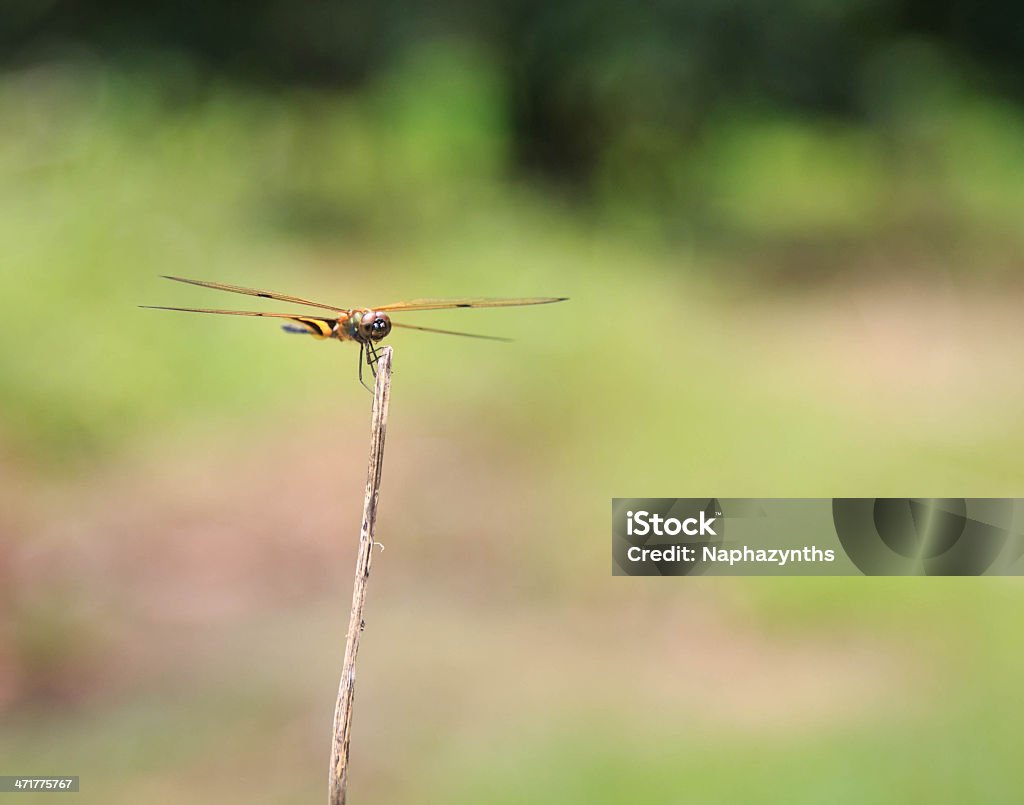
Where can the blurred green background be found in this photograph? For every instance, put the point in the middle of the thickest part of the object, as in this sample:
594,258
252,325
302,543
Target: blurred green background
792,240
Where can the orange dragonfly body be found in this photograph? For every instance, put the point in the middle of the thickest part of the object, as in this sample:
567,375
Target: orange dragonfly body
363,325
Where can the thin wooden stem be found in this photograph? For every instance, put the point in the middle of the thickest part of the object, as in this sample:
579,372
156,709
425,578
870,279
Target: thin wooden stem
346,689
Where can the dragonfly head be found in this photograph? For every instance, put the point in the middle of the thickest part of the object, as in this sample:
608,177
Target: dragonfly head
374,325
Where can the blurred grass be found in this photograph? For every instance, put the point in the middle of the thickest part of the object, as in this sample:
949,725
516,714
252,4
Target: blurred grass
682,364
110,180
210,734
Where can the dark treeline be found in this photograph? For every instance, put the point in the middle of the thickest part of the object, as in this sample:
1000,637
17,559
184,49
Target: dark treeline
576,71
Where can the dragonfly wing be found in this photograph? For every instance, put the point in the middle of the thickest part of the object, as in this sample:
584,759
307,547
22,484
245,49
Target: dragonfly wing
448,304
319,326
448,332
256,292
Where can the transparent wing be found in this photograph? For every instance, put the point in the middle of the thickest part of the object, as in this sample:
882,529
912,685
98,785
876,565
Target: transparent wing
218,286
320,326
448,304
448,332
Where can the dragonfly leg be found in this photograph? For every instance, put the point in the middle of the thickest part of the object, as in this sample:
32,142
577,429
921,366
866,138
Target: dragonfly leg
361,381
372,356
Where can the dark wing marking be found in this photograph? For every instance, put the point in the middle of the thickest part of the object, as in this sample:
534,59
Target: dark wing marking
448,332
218,286
448,304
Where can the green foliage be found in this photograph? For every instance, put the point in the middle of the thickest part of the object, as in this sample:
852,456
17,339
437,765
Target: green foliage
793,178
110,179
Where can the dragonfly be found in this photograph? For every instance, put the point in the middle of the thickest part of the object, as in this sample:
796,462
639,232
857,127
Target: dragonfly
366,326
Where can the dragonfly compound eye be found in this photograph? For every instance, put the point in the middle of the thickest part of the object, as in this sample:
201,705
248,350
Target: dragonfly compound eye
381,327
375,325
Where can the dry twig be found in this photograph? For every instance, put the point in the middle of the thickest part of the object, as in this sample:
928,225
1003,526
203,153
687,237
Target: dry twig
346,689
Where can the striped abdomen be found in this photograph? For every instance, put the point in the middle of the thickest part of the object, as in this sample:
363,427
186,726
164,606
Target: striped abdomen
321,328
